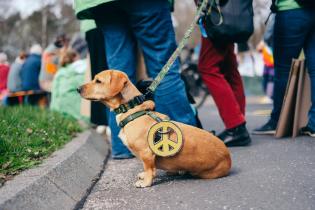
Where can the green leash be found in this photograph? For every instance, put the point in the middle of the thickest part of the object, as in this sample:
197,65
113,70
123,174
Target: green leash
178,50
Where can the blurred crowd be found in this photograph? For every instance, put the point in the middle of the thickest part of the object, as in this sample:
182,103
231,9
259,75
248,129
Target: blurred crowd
55,72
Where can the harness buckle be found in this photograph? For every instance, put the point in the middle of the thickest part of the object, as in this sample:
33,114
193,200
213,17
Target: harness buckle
123,108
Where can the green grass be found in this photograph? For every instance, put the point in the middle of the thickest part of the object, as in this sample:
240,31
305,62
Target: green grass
28,135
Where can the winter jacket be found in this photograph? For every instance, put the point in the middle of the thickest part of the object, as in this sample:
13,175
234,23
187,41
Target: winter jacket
14,78
4,71
82,7
64,96
283,5
49,63
30,72
87,25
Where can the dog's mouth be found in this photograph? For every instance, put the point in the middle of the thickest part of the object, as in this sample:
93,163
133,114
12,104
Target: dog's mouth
90,98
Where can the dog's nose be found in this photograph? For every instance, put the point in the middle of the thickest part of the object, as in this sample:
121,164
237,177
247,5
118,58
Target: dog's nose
79,89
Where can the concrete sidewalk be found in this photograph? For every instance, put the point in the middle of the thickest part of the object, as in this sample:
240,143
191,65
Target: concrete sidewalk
271,174
62,180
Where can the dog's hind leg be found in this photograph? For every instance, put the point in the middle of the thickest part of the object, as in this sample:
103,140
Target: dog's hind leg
221,170
172,173
146,177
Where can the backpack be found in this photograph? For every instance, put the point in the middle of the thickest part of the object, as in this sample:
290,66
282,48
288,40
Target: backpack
306,3
230,21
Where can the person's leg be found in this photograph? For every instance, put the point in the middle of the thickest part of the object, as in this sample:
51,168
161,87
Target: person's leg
233,77
217,67
290,31
309,50
265,79
152,25
120,47
95,42
289,36
210,62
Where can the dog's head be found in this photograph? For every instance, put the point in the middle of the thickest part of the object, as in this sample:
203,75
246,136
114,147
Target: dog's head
105,87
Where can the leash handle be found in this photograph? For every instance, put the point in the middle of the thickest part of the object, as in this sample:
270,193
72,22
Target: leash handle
176,53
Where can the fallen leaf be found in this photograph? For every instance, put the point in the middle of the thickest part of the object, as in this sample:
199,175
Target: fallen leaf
29,130
4,166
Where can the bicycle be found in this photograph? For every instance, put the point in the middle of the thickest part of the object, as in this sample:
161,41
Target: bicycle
193,81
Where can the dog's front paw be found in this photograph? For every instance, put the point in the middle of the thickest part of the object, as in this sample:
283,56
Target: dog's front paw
141,175
142,184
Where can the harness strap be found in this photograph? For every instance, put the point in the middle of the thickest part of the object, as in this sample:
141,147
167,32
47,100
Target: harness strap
123,108
155,117
131,117
136,115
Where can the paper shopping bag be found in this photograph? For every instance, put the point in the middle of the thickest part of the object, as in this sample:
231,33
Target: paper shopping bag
296,101
303,100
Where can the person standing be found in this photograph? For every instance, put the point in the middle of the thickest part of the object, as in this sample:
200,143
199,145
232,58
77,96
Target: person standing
218,68
147,24
95,41
294,30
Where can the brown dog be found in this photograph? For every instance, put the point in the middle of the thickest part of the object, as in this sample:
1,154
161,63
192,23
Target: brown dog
202,155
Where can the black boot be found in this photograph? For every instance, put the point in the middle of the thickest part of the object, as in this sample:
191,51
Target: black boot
237,136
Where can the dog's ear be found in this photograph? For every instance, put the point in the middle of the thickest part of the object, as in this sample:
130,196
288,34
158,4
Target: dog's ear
117,81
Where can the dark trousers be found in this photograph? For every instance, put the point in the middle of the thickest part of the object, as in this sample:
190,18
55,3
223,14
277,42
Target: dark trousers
95,41
294,29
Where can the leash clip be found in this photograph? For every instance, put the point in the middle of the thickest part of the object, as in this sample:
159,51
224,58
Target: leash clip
148,94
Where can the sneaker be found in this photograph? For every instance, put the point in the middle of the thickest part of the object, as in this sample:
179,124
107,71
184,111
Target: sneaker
100,129
238,136
307,131
123,156
268,128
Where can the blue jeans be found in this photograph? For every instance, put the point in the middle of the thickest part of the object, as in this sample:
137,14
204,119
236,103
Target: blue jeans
147,24
293,30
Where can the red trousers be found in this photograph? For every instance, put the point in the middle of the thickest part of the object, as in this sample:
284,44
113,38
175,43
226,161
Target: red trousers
218,68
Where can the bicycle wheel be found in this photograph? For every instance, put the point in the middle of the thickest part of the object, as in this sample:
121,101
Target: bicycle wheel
194,84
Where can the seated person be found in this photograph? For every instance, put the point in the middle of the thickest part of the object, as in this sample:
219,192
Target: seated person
64,96
14,78
50,61
4,71
31,68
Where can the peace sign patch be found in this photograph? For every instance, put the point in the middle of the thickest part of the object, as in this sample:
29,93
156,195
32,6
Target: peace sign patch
165,139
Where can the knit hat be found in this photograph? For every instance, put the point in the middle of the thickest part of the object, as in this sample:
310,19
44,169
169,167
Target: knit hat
36,49
3,58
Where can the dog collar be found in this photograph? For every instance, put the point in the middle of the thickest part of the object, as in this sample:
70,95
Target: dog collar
123,108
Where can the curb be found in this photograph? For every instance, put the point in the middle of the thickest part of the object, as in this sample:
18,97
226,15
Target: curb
62,180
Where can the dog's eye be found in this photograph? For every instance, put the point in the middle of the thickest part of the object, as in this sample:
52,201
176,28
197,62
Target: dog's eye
98,81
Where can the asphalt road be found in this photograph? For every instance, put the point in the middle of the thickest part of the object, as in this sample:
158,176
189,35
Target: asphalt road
270,174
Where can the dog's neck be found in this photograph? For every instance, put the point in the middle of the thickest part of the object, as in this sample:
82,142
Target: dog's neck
129,92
